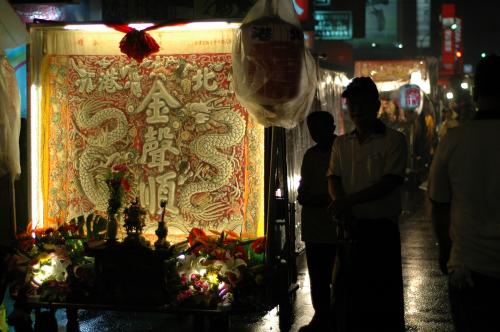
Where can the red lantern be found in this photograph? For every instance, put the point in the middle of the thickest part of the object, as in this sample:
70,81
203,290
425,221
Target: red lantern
410,97
274,48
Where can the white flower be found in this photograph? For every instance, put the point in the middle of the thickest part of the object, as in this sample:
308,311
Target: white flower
192,264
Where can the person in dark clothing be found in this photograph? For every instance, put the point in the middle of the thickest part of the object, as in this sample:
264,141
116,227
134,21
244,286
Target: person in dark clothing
464,188
318,228
366,171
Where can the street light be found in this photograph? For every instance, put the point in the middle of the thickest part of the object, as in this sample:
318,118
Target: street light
449,95
464,85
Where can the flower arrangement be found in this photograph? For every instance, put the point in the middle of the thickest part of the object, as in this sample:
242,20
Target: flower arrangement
220,269
215,270
50,264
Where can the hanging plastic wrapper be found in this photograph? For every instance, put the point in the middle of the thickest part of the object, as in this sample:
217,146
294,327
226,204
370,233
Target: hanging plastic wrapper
274,74
12,34
10,120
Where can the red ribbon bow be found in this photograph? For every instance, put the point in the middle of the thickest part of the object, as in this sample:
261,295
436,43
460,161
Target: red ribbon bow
137,44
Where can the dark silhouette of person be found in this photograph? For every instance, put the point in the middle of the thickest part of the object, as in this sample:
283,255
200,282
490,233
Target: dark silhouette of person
366,171
318,228
464,188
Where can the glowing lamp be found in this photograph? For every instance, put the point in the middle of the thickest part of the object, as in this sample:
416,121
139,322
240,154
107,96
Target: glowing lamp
410,97
49,268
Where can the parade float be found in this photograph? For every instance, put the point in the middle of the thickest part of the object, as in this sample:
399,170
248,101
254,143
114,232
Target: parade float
153,178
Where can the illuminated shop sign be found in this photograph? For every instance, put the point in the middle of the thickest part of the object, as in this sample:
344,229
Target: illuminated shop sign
333,25
322,2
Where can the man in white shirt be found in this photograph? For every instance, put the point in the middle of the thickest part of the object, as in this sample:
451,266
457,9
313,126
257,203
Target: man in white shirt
464,188
366,171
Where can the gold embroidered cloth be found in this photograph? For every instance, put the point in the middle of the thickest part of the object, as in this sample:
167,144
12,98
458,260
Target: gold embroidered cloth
173,120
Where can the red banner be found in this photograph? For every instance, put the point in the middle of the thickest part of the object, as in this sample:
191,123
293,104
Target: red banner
448,45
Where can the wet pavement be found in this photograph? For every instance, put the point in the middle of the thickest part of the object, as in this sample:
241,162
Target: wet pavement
426,303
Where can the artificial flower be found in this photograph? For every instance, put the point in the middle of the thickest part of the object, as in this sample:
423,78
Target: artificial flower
259,245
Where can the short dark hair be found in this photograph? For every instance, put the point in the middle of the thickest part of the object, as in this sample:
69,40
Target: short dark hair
361,86
487,77
320,117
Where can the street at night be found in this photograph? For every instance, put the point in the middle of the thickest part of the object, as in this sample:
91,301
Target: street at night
426,295
249,166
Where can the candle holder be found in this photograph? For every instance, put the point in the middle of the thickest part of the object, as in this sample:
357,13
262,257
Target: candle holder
134,222
162,230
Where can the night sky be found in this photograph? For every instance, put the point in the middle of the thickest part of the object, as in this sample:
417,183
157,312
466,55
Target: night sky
481,26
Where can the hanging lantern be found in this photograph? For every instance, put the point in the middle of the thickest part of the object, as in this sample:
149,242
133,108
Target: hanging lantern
410,97
274,49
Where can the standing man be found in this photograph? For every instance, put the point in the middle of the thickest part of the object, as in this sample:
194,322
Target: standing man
464,188
318,228
366,171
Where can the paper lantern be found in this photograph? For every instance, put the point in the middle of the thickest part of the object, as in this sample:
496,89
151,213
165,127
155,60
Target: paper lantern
274,51
410,97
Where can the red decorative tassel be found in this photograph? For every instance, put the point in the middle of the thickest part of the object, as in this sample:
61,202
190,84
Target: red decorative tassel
138,45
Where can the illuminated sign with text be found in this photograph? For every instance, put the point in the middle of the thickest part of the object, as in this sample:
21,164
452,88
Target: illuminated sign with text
333,25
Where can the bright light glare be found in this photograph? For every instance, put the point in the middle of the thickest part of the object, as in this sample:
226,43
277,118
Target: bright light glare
35,148
449,95
203,25
464,85
416,78
454,26
141,26
483,55
345,81
337,81
88,27
389,86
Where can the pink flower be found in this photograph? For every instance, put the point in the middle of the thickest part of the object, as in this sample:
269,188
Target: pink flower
184,294
183,279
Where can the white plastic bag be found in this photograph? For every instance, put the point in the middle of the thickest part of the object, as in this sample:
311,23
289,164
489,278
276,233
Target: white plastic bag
274,74
10,120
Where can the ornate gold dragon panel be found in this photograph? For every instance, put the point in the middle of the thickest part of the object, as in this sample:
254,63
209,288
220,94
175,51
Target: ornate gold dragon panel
172,120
